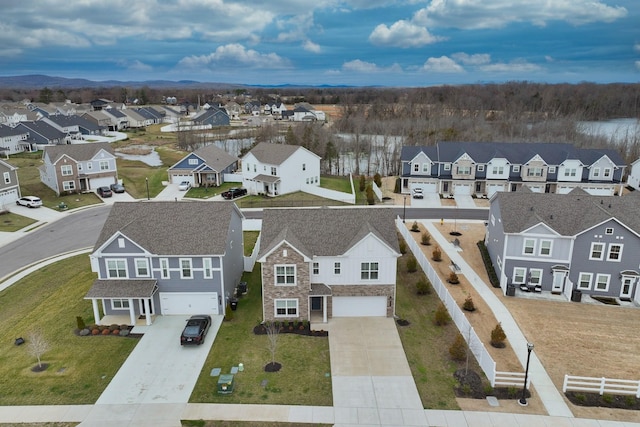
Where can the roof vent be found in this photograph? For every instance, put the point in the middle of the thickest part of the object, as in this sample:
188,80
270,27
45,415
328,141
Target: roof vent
531,208
601,202
551,216
609,205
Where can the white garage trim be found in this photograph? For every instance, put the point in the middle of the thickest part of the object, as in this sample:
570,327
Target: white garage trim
359,306
8,197
494,188
94,183
178,178
599,191
188,303
462,189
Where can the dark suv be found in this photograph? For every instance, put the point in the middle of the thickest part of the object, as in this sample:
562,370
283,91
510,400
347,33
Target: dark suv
104,192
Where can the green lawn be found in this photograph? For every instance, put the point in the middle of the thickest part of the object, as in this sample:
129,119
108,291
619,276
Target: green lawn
79,367
303,379
207,192
337,183
13,222
250,238
298,199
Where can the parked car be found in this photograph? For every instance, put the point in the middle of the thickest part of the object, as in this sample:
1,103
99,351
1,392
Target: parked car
104,192
117,188
234,192
29,201
184,186
196,330
417,193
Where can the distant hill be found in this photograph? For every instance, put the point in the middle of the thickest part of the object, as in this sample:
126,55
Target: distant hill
39,81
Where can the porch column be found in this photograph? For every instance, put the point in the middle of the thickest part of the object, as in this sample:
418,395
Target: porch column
324,309
96,311
132,312
147,311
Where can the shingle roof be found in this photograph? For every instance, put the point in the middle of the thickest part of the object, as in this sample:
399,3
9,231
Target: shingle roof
78,152
326,231
122,289
44,129
273,154
568,214
171,228
6,131
215,157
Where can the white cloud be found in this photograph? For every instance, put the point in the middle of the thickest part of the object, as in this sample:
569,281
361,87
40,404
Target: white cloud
443,64
476,59
475,14
235,56
139,66
402,34
310,46
638,65
516,66
369,67
636,47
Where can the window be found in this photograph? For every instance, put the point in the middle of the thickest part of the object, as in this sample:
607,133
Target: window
307,180
602,282
336,268
286,307
608,230
464,170
529,246
89,165
570,172
552,169
164,268
79,166
425,167
447,166
206,265
615,252
597,251
534,171
535,276
185,268
516,168
480,168
478,186
369,271
596,172
607,172
273,171
120,304
121,243
518,275
7,178
66,170
249,167
193,161
68,185
445,187
116,268
285,274
584,280
545,247
416,167
142,267
316,268
498,170
104,165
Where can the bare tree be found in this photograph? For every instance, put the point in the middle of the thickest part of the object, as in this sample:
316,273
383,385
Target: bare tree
37,345
273,333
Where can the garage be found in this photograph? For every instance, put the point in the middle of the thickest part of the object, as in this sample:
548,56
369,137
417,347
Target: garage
360,306
427,187
178,178
493,189
462,189
8,198
94,183
599,191
188,303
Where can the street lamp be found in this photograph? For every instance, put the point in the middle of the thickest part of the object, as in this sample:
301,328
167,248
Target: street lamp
523,400
404,209
147,182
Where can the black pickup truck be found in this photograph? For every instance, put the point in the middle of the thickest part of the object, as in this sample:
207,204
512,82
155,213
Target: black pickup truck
232,193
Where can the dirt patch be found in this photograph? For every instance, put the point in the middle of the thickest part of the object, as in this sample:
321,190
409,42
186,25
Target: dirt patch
570,338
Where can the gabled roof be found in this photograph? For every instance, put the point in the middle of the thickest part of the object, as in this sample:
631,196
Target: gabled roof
274,154
42,128
171,228
7,165
78,152
6,131
64,121
114,112
215,157
326,231
568,214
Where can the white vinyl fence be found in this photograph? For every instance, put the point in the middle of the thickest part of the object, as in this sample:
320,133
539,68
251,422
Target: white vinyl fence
474,343
601,385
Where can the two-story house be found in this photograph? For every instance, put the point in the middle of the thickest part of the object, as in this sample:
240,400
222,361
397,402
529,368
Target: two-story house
275,169
204,167
563,243
78,167
42,133
14,140
323,263
9,185
167,258
483,168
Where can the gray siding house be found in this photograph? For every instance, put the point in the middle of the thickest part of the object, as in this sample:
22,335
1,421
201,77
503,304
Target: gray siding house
204,167
566,243
167,258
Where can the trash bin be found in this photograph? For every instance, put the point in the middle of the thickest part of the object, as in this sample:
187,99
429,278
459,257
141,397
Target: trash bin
233,303
511,290
242,288
576,295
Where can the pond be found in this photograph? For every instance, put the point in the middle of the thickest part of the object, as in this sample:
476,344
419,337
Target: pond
151,158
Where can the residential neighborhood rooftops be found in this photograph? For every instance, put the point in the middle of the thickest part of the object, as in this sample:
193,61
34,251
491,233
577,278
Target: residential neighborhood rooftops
79,152
273,154
215,157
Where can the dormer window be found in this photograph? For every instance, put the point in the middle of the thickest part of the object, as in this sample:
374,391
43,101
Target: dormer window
447,166
416,167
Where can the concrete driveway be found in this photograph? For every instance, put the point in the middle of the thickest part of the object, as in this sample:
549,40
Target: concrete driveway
430,200
464,201
372,382
170,192
39,214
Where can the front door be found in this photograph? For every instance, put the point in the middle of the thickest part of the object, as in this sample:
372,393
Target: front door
316,303
627,287
558,281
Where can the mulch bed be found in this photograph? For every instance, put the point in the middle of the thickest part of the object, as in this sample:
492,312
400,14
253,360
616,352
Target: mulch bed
290,328
470,385
606,401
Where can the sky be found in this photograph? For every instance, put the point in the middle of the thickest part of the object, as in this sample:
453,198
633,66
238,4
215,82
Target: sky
402,43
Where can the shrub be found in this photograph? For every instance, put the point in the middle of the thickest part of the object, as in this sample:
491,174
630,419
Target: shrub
453,278
458,350
115,332
423,287
607,398
398,187
426,239
580,397
412,264
488,390
498,336
106,332
442,316
228,313
403,246
488,265
468,304
378,180
415,227
363,183
370,196
436,255
80,322
630,400
113,327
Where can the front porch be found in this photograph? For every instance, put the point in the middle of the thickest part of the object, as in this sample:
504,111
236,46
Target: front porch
122,319
134,297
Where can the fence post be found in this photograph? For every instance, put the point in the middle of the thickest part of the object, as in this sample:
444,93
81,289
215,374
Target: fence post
603,381
564,383
638,392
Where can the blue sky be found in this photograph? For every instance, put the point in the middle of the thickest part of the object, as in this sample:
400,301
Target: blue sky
314,42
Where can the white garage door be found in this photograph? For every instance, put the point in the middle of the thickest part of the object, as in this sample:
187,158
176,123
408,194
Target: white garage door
599,191
94,183
8,198
188,303
426,187
359,306
462,189
178,178
494,188
536,188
